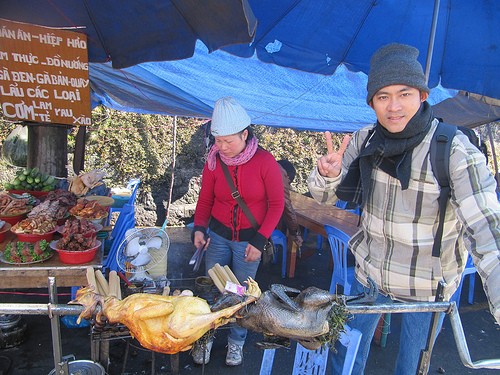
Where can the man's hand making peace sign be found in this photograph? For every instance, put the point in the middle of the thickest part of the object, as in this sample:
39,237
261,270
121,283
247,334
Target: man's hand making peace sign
330,165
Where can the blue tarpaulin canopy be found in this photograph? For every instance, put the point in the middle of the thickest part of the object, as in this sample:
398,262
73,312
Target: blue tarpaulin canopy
304,67
272,95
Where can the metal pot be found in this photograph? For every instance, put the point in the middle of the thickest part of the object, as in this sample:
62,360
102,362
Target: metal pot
83,367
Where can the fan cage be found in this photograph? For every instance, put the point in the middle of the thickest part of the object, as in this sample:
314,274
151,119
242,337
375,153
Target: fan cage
157,267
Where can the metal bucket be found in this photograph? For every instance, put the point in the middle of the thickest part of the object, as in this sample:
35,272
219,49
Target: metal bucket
12,330
83,367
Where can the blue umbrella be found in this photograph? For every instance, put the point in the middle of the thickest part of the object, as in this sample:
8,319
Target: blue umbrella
131,32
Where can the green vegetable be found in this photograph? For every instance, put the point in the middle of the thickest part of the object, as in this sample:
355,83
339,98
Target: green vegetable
27,171
49,181
34,172
22,177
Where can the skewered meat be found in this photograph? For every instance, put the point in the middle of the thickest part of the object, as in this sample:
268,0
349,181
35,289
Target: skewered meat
312,317
165,324
303,318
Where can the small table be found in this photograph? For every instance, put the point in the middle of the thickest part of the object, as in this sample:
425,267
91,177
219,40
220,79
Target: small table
313,215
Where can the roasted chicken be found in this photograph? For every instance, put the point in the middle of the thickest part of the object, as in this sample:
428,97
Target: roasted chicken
165,324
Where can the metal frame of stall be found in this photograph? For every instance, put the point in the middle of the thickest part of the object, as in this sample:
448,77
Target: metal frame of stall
54,310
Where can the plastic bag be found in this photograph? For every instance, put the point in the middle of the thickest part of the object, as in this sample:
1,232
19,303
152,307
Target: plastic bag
15,147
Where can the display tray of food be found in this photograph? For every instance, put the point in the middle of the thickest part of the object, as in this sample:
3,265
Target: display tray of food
35,193
50,208
12,208
32,181
101,199
20,252
78,243
34,229
89,210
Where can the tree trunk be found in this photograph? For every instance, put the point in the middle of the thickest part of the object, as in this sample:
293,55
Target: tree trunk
48,148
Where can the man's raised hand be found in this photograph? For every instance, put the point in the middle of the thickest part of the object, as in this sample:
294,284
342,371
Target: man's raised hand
330,165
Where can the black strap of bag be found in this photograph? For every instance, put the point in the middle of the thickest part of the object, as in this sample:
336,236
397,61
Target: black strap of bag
236,195
268,252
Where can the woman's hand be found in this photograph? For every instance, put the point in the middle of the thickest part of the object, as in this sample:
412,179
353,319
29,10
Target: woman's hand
330,165
200,241
252,254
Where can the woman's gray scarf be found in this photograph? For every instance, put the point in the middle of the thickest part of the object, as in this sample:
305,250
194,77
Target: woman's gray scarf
391,152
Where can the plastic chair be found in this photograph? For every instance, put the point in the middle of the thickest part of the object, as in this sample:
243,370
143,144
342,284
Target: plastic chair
314,362
279,239
125,221
342,274
319,239
344,205
470,271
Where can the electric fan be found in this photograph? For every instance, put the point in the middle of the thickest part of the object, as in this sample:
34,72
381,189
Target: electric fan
142,255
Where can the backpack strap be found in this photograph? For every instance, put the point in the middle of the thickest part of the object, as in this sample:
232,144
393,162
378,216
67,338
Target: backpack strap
440,164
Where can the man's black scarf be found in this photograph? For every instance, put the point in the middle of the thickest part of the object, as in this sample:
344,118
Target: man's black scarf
391,152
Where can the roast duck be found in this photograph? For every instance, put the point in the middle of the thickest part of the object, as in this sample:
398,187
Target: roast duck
165,324
312,317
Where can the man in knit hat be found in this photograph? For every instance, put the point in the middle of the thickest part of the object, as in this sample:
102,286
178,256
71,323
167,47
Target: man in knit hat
386,169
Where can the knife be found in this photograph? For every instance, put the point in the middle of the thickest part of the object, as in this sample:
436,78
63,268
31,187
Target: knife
195,256
198,260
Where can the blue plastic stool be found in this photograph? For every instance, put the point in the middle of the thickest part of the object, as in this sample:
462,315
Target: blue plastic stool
314,362
319,239
279,239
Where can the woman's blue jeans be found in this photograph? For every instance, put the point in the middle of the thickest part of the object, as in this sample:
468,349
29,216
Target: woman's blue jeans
232,254
413,339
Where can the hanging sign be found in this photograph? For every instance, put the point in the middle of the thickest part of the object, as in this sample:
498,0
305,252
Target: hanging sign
44,74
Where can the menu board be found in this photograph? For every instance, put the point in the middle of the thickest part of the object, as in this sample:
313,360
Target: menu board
44,74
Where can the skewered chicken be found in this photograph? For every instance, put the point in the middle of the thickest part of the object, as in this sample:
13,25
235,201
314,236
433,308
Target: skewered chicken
165,324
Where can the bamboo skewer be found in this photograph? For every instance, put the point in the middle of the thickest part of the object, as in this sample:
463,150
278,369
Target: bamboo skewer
91,279
216,280
231,275
102,283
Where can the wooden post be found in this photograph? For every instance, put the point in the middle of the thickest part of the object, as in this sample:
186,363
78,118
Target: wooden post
48,148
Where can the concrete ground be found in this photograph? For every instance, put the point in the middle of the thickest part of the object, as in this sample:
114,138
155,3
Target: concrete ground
35,355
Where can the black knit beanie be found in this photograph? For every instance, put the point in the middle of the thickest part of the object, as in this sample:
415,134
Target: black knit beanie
395,64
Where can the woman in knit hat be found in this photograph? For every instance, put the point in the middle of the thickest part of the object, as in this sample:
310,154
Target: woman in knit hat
386,169
232,239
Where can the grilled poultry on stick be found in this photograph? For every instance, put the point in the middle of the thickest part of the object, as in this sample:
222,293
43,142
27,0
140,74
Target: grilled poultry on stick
165,324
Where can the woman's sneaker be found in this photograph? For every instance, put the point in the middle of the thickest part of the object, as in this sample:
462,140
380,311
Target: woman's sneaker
198,352
234,355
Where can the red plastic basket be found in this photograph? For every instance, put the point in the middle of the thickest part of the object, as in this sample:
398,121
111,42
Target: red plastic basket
76,257
13,219
3,232
31,237
35,193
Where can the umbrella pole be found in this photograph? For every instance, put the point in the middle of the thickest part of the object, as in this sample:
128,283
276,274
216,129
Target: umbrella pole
494,155
432,37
